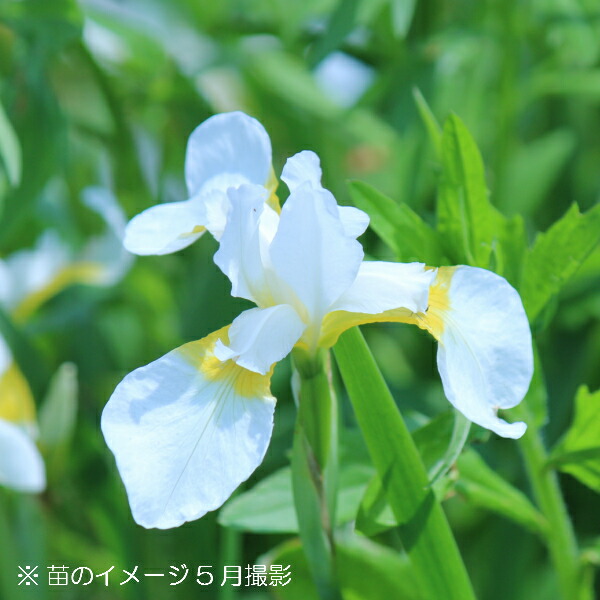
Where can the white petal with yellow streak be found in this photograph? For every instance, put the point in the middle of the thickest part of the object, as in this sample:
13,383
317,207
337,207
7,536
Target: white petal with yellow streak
381,286
186,430
485,354
166,228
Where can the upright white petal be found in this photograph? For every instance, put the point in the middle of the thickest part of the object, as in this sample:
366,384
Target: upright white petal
354,220
305,168
381,286
311,251
485,354
186,430
260,337
229,143
240,255
166,228
21,466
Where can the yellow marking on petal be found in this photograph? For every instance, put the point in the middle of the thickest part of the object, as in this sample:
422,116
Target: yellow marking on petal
16,400
271,185
432,320
335,323
197,229
245,383
84,272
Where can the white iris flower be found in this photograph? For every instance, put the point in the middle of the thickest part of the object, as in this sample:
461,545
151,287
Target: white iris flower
187,429
28,278
225,151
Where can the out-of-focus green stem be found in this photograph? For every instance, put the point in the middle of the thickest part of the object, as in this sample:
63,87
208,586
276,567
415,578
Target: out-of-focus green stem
314,467
560,537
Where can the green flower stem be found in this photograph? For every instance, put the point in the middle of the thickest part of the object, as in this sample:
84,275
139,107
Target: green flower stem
560,537
424,530
314,467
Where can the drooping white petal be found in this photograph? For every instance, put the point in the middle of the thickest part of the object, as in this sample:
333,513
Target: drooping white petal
311,251
21,465
166,228
485,355
186,430
260,337
228,143
381,286
303,167
240,256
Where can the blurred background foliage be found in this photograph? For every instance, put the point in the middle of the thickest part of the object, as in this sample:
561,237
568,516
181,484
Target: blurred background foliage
103,92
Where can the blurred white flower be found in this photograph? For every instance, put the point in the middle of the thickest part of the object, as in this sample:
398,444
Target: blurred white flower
343,78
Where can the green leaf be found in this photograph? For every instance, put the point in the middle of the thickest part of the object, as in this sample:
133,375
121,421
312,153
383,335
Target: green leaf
341,23
398,225
365,570
402,15
10,149
469,224
433,128
532,170
269,506
556,255
424,531
578,453
482,486
59,409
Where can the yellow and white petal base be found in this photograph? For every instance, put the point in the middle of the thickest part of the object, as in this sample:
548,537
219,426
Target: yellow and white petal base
260,337
165,228
186,430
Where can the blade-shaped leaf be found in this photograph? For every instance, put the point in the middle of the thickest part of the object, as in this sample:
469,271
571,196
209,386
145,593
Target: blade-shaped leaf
398,225
424,530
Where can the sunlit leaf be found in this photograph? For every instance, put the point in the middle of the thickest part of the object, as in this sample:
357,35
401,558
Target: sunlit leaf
411,238
556,255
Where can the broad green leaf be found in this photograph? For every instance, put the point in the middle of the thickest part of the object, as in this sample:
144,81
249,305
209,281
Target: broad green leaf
467,221
269,506
59,409
398,225
578,453
10,150
482,486
424,531
433,128
556,255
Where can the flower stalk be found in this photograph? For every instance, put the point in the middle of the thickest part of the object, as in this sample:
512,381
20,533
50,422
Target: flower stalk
314,466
